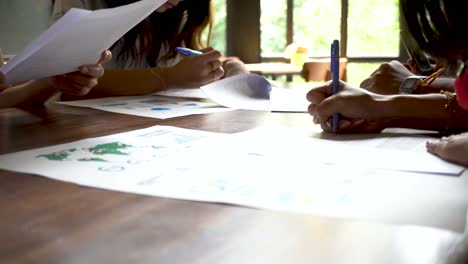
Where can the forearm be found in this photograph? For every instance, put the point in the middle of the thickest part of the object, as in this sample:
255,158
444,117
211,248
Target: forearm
423,112
444,83
32,93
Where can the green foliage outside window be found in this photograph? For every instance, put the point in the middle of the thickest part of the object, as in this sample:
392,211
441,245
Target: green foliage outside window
373,29
218,40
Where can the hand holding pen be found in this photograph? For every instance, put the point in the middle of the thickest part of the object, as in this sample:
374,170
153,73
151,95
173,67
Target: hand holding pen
339,107
196,69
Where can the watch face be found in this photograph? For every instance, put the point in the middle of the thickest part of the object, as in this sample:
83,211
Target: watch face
410,85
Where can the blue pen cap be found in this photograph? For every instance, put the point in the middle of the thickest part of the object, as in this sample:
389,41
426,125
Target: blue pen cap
187,51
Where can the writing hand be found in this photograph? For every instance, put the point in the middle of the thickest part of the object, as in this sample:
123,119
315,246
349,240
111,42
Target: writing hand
357,108
194,71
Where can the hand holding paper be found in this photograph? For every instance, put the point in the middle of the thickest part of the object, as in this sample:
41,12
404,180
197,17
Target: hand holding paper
81,82
78,38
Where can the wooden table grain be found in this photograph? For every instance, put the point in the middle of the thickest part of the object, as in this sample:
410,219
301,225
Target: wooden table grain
48,221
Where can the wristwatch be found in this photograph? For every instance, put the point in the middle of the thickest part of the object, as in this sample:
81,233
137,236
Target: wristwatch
411,85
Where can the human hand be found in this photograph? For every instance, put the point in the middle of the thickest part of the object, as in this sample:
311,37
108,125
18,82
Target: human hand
387,78
194,71
81,82
357,107
453,148
412,66
233,66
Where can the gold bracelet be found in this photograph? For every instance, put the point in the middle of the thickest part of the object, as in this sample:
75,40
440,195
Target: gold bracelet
451,108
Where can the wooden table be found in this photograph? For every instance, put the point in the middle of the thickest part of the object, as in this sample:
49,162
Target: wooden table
274,69
47,221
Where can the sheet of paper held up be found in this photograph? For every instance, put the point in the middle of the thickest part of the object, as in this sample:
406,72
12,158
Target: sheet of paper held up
254,92
150,106
78,38
203,166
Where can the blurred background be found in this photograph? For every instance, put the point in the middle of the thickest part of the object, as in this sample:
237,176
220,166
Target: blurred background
259,31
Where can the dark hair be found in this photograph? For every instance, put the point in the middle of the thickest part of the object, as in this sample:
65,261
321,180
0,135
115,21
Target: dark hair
439,26
182,24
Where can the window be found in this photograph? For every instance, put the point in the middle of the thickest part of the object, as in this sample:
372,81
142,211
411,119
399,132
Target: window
273,28
368,30
373,28
218,38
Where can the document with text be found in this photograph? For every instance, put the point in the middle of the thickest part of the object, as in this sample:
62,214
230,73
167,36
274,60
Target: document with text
240,169
78,38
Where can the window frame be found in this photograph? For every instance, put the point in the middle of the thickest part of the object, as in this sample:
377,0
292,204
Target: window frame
243,33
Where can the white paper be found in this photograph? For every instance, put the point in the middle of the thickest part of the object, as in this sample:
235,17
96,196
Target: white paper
150,106
203,166
248,91
243,91
398,152
78,38
288,100
254,92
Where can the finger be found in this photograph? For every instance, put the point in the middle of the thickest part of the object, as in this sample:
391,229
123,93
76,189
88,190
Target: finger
74,89
105,57
311,109
344,124
326,126
218,74
327,108
375,72
216,64
93,71
437,147
367,82
207,49
77,78
74,84
317,94
315,120
211,56
351,126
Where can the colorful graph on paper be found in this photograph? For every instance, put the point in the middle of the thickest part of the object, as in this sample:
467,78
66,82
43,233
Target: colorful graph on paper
151,106
212,167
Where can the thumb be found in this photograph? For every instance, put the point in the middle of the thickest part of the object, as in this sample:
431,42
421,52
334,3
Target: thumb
105,57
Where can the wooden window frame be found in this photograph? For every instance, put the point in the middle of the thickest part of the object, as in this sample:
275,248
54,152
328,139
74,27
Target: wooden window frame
243,33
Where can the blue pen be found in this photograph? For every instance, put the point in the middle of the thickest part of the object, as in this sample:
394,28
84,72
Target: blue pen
188,52
335,69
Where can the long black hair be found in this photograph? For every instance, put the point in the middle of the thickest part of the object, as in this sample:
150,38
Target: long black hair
182,24
439,26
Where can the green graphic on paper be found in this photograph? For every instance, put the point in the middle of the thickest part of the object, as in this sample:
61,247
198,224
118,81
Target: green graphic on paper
109,148
58,156
114,148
